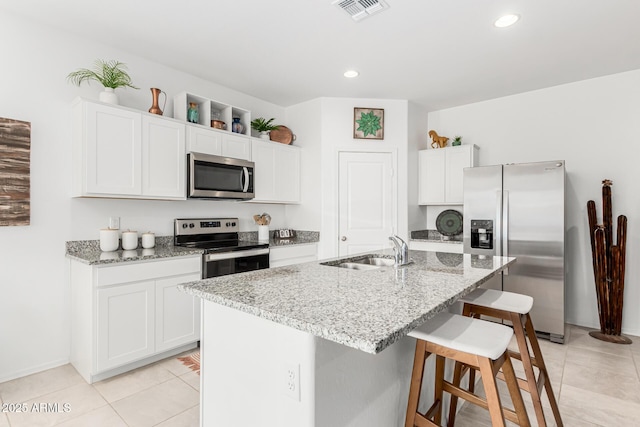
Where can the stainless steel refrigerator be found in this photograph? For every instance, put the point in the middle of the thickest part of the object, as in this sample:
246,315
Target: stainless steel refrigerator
518,210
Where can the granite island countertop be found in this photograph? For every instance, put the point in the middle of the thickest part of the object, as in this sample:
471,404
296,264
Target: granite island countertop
364,309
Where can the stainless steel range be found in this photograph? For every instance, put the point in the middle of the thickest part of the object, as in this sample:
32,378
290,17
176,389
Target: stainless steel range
224,253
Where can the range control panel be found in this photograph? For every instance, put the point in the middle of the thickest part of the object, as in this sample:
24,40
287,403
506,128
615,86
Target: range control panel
206,226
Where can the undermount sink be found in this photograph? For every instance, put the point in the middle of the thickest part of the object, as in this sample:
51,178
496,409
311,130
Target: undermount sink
366,262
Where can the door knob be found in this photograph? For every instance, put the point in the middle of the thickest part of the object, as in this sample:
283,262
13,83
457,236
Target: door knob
343,238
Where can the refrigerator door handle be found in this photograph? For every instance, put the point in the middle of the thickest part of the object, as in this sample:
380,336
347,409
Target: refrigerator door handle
498,224
505,226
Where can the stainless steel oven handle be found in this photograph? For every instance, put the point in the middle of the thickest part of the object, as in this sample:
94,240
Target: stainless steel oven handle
235,254
245,175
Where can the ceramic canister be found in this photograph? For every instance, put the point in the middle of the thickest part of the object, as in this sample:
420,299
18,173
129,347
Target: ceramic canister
263,233
108,239
148,240
129,240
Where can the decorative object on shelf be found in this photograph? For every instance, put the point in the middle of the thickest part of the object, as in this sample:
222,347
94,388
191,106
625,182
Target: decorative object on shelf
284,234
218,124
438,141
449,222
15,172
236,126
192,113
155,106
111,74
282,135
263,222
368,123
457,140
608,267
263,126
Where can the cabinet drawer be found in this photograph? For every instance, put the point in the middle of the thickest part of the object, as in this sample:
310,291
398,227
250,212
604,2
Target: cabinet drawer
116,274
291,254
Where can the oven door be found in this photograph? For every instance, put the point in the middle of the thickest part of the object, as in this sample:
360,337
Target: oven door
221,264
216,177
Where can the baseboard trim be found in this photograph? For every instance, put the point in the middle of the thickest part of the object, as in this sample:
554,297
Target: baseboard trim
33,370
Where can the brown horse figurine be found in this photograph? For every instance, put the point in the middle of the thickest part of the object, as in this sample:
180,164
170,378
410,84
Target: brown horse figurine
438,141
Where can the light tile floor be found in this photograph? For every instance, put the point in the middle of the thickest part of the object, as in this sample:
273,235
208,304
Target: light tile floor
597,384
164,394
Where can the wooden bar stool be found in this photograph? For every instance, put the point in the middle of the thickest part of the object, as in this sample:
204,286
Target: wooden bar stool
473,342
515,308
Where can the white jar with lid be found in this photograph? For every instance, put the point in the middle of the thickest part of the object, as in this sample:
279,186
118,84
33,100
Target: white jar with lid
148,240
108,239
129,240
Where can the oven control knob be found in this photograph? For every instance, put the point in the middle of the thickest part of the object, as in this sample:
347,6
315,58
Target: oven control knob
184,225
228,224
192,225
233,224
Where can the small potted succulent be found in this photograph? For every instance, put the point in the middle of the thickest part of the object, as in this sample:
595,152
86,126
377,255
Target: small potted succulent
263,126
457,140
110,74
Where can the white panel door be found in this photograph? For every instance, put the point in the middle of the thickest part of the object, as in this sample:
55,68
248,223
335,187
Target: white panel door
203,141
287,174
177,313
113,150
456,160
432,176
125,324
264,173
163,158
366,201
238,147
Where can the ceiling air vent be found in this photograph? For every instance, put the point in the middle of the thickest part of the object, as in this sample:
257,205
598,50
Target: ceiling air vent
360,9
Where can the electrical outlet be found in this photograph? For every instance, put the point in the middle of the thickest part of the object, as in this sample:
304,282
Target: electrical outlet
291,380
114,222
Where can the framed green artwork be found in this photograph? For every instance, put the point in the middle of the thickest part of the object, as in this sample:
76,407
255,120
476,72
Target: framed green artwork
368,123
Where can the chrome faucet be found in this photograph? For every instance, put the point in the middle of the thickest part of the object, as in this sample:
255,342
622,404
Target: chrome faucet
401,250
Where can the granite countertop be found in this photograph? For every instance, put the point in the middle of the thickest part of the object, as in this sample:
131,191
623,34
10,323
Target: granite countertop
433,236
364,309
88,251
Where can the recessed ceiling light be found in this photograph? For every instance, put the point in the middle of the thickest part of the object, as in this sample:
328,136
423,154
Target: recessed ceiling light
351,74
506,20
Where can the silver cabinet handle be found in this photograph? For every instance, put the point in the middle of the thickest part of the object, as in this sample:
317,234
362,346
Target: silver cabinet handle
343,238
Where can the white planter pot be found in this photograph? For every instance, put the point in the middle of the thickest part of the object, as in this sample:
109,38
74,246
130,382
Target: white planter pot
264,135
109,96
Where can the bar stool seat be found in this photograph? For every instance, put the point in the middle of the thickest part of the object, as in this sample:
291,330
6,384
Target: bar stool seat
514,308
475,343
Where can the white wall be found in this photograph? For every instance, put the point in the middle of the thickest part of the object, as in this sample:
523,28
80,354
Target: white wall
335,133
418,140
594,126
34,307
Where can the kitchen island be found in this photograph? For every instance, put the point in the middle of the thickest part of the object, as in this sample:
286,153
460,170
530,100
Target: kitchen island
303,345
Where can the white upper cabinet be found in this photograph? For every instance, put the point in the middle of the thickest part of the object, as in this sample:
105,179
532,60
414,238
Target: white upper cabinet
277,172
217,143
441,174
124,153
163,158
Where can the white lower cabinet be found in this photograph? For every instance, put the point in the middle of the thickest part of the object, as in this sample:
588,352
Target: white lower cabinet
280,256
128,315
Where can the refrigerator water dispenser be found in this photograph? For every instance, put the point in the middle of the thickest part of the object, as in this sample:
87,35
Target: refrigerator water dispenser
482,233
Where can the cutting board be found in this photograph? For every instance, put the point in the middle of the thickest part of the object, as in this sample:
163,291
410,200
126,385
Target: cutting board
282,135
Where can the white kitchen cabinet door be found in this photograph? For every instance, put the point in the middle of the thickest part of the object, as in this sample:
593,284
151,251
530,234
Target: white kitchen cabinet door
202,140
280,256
163,158
431,176
441,174
238,147
125,324
112,150
277,172
177,313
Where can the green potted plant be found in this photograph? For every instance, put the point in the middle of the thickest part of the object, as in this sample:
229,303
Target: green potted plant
457,140
263,126
111,74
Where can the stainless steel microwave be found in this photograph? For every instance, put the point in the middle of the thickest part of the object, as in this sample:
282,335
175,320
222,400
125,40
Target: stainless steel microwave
216,177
